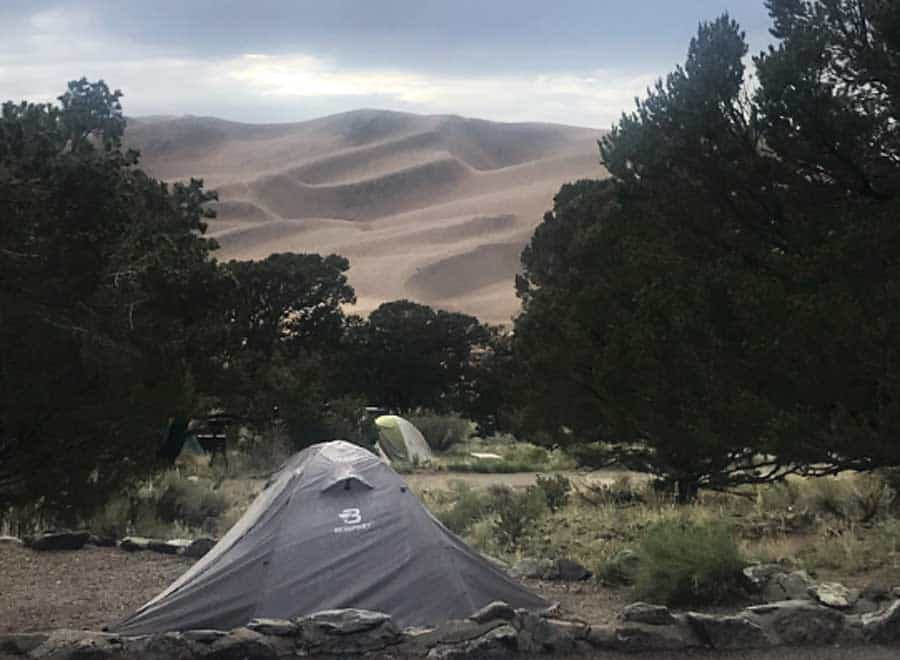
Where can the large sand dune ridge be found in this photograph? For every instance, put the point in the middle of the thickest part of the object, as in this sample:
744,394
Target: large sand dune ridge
432,208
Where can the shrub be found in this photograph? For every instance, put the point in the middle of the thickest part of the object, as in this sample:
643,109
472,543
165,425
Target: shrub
468,507
555,490
618,570
684,563
516,512
188,502
442,431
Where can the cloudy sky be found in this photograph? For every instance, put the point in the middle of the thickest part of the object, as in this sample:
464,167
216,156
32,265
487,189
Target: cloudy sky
577,62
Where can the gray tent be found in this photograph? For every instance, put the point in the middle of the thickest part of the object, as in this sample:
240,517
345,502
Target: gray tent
335,527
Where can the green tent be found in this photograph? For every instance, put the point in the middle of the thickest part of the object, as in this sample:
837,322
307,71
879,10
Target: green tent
400,440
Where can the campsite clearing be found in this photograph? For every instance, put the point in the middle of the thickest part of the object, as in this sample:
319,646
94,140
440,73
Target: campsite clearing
94,587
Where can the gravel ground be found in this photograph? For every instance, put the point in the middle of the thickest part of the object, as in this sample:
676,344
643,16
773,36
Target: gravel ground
87,588
93,587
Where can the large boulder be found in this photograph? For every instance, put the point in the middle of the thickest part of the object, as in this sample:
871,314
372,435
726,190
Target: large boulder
641,637
79,645
801,622
794,585
499,642
347,631
883,626
496,610
275,627
242,644
541,635
834,594
757,576
729,632
571,571
62,540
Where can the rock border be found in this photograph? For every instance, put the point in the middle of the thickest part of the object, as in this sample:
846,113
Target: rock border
496,630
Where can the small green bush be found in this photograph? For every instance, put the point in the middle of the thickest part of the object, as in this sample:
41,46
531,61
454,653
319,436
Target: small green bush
516,512
618,570
442,431
555,490
468,507
684,563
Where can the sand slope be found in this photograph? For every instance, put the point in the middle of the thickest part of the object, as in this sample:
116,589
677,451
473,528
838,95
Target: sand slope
432,208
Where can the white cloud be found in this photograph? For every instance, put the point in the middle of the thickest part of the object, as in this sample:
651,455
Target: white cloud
55,46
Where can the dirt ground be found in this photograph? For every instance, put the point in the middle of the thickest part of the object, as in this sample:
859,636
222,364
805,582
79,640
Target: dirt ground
87,588
94,587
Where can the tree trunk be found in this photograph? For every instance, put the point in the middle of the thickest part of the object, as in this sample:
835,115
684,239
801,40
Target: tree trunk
686,490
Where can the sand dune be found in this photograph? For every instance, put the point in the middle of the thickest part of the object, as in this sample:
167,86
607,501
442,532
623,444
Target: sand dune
432,208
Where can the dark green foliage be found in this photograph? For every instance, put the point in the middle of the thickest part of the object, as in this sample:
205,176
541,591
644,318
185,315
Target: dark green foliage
103,279
555,490
683,563
442,431
411,356
279,341
723,310
189,503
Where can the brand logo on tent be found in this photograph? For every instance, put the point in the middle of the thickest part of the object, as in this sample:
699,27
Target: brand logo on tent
352,519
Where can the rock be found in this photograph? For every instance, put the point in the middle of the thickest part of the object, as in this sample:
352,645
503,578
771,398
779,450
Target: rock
494,611
58,541
101,541
540,635
10,540
162,547
347,621
655,615
571,571
454,632
788,586
241,644
866,606
895,592
834,594
20,643
499,642
540,569
203,635
181,544
276,627
729,632
199,547
876,592
80,645
801,621
883,626
135,543
758,575
346,632
639,637
167,646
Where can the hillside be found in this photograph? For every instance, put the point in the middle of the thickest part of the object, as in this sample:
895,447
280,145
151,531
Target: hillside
432,208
